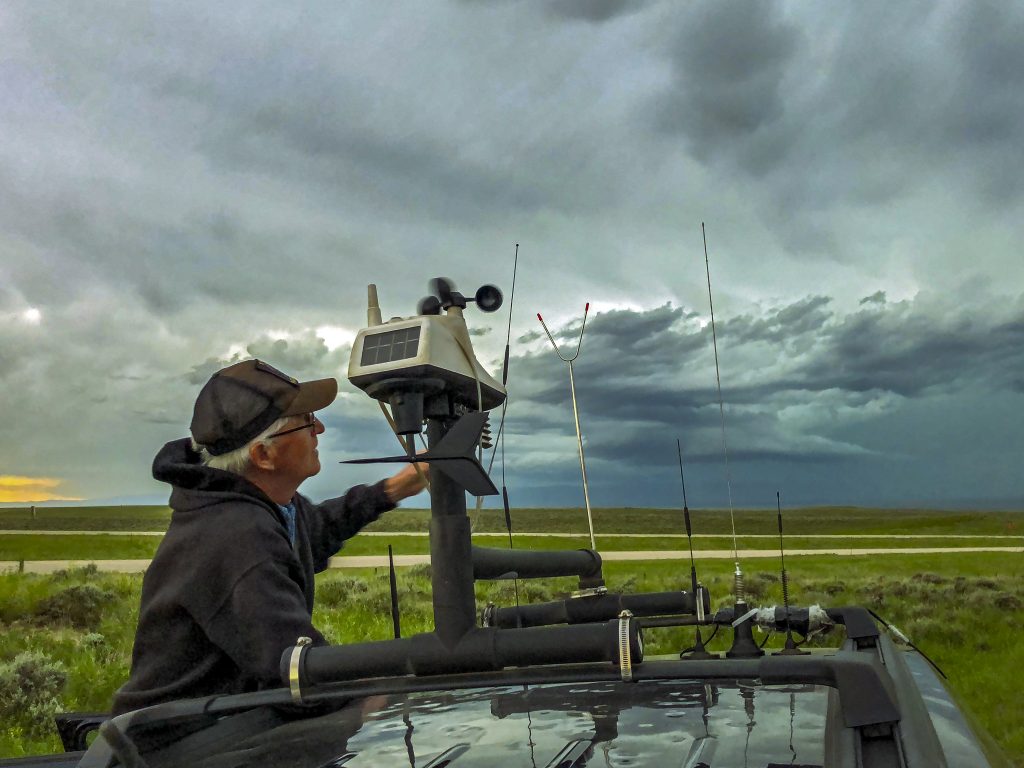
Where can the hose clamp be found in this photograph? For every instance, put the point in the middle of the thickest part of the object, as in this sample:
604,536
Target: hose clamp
589,592
625,651
293,667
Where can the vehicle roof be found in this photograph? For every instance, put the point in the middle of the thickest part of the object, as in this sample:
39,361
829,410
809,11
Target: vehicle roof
654,722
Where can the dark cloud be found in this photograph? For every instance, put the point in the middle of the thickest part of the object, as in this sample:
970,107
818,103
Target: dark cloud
782,324
900,349
987,106
594,11
304,355
202,372
878,297
186,184
644,373
857,108
729,62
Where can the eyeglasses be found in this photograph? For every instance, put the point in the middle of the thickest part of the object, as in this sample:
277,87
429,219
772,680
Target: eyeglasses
310,423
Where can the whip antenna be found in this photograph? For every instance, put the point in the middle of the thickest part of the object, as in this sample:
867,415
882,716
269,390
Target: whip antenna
790,648
393,584
575,411
738,575
504,408
500,437
508,333
698,651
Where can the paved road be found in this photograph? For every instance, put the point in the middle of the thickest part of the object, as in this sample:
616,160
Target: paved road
582,534
376,561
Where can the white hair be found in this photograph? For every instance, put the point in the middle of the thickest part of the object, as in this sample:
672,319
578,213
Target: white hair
238,460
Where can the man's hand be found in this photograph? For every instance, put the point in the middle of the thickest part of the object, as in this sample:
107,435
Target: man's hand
410,481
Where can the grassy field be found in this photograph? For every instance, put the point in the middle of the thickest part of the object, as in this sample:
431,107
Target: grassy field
117,547
66,638
809,521
118,518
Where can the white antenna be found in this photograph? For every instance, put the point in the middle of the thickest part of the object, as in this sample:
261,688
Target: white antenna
575,412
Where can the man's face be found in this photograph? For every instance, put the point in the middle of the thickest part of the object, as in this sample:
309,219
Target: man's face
294,450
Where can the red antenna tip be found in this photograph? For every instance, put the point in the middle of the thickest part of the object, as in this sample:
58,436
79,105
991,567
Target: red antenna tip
539,317
587,308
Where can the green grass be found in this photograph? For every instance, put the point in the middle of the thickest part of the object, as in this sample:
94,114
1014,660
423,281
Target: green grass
129,547
99,547
808,521
964,610
111,518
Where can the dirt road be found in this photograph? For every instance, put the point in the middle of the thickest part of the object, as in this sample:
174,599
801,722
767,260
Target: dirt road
376,561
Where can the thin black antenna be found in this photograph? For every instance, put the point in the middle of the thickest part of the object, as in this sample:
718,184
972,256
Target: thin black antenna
738,575
790,648
698,651
508,333
396,619
504,405
500,437
504,408
743,645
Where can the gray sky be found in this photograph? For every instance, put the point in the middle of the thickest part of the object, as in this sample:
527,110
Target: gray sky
183,184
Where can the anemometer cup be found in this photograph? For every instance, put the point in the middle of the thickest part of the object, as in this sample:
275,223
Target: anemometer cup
428,305
443,295
488,298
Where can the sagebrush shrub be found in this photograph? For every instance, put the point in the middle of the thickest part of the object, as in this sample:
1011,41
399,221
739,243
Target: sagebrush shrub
80,605
30,685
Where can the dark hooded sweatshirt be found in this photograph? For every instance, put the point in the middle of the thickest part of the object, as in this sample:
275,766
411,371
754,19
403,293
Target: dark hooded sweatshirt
227,592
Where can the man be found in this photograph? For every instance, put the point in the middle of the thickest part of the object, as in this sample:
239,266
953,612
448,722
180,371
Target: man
231,585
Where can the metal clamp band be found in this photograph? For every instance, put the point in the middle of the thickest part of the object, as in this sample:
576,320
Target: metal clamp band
748,615
700,603
589,592
625,652
293,667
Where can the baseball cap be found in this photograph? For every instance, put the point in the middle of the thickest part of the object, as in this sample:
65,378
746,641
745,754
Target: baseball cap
242,400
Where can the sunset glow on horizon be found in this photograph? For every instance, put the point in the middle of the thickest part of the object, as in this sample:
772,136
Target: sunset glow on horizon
19,488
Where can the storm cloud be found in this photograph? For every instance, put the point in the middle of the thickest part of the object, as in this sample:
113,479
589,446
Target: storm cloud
185,185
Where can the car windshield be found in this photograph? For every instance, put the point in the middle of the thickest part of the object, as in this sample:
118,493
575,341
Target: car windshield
652,723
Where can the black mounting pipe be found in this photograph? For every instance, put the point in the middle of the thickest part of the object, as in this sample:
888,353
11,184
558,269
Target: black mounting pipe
480,649
491,563
451,557
594,608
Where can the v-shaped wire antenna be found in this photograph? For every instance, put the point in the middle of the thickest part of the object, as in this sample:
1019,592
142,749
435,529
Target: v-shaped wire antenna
454,456
575,411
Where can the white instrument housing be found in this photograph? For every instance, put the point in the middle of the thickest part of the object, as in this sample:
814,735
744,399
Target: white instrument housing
433,348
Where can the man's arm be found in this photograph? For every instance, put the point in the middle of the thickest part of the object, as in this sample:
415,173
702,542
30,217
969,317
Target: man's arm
334,521
408,482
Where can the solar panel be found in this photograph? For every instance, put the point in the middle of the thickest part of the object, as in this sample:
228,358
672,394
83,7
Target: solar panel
388,346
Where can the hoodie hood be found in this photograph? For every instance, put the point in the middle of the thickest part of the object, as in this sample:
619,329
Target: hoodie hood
195,485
